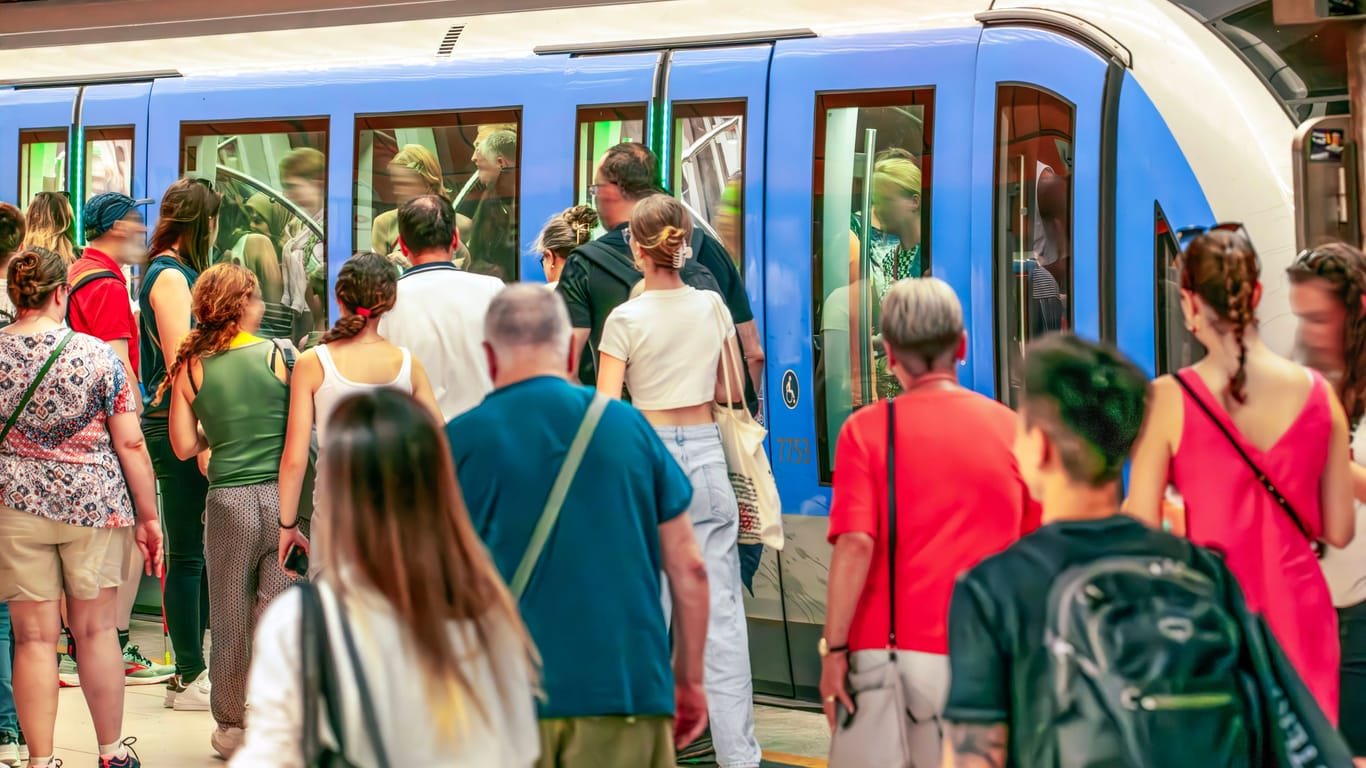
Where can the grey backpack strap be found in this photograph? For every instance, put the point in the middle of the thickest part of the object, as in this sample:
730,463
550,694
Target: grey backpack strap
558,492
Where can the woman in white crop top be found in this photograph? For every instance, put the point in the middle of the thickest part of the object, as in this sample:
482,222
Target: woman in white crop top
665,345
351,359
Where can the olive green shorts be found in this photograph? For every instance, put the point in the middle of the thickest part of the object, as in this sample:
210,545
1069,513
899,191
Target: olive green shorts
607,742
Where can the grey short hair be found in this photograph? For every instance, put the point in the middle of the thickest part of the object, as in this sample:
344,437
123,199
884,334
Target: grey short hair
500,144
526,316
922,317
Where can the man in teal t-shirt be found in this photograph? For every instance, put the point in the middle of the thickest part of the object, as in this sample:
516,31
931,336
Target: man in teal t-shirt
592,603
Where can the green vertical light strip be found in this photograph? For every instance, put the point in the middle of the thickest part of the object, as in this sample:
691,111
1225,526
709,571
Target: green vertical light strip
75,181
664,148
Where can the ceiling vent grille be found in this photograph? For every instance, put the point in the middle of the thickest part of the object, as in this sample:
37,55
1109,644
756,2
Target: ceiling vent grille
447,46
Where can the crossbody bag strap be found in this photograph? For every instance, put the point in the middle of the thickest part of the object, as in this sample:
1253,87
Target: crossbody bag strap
367,706
1257,471
610,261
33,386
311,625
558,491
891,525
86,279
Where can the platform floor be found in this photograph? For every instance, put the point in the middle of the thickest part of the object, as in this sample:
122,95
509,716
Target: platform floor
181,739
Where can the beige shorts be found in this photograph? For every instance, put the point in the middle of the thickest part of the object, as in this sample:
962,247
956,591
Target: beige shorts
40,558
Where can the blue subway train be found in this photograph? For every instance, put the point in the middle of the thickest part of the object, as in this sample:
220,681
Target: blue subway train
1036,158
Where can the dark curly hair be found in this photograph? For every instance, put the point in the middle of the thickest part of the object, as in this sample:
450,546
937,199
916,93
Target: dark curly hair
11,231
366,286
1221,267
33,275
1343,268
632,167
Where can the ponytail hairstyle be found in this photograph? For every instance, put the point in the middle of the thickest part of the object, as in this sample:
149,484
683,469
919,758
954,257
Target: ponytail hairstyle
1222,269
660,225
185,224
33,276
219,301
566,231
1343,268
366,288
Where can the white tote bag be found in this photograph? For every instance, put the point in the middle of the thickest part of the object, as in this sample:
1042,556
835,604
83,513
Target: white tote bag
751,475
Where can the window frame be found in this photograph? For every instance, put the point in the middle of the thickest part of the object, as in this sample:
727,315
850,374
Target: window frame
718,108
924,95
25,142
1002,268
583,175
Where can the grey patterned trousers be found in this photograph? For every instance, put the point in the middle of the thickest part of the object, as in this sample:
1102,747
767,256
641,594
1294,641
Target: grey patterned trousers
241,542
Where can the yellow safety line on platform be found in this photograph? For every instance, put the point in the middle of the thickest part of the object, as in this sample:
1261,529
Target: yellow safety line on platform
796,760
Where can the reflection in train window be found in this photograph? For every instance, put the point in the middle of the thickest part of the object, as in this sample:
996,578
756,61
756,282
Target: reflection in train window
1033,235
1177,347
870,227
468,158
600,129
273,177
708,169
108,161
42,163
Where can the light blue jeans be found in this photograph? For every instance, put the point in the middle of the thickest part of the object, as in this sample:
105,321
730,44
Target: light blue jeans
716,523
9,718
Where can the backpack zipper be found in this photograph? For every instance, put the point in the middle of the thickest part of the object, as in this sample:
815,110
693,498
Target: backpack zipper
1134,699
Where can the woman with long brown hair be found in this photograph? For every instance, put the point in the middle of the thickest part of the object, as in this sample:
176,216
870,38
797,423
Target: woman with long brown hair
230,395
187,224
351,358
1257,447
49,223
403,570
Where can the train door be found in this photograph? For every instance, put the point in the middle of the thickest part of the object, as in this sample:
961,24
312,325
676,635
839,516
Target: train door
33,142
714,160
1037,187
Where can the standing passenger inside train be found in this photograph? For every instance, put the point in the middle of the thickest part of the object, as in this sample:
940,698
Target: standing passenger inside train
1328,294
666,347
186,226
493,227
564,232
592,286
424,637
351,359
959,498
230,395
50,222
439,313
612,697
413,172
1241,414
257,247
303,260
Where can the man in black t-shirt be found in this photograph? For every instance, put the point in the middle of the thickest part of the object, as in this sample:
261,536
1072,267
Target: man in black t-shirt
1081,411
626,175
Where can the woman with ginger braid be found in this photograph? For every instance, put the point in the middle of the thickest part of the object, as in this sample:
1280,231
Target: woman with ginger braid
1288,422
230,394
351,358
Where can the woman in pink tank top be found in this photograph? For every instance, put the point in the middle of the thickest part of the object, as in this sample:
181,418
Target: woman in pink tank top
1287,422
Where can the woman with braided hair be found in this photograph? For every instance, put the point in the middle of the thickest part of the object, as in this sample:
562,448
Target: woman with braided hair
1328,295
1257,447
230,395
351,358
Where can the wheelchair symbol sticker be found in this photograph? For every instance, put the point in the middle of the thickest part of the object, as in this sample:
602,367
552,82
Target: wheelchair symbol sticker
791,392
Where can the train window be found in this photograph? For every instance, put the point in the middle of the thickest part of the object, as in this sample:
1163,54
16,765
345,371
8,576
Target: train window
600,129
468,158
1176,346
42,163
1033,235
273,177
708,169
870,227
108,161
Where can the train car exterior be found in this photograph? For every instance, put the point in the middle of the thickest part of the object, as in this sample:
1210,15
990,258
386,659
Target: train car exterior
1060,144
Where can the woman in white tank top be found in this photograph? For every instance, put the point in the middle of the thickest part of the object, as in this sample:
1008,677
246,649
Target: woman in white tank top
352,359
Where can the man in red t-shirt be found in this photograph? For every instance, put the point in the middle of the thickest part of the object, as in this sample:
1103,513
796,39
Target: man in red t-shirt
100,303
959,499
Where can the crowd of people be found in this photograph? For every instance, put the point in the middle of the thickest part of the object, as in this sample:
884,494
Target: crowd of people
568,592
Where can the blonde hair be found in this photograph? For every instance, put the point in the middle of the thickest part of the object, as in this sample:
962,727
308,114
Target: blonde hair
900,172
663,229
49,223
421,161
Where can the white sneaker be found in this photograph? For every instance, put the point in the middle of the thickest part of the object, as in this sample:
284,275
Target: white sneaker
226,741
9,750
195,695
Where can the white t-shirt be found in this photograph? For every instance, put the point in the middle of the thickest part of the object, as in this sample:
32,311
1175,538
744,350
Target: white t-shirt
671,342
1345,569
411,736
439,317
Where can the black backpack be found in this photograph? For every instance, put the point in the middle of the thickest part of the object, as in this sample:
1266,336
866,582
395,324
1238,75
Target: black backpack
1145,658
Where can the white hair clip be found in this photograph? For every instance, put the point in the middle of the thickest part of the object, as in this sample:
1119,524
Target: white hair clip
684,253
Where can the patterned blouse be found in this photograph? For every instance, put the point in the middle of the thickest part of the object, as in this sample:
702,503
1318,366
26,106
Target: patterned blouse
58,461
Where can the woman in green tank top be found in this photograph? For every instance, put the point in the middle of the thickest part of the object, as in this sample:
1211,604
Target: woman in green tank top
230,396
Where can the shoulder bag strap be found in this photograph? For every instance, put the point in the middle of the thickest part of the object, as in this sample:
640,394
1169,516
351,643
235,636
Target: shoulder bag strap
1261,476
86,279
33,386
558,491
891,525
312,625
367,706
608,260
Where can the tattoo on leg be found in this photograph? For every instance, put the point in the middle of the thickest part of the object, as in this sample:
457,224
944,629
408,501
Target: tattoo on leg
978,746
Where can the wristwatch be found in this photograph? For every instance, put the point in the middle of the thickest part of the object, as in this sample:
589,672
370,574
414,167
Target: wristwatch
825,649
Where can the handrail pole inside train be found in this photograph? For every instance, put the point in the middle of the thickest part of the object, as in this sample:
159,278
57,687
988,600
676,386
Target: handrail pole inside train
865,270
75,165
